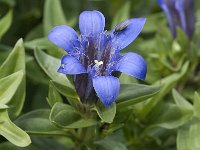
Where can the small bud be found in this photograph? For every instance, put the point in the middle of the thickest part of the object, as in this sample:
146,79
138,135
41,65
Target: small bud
176,46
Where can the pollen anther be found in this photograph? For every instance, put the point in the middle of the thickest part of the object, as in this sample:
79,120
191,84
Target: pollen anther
98,63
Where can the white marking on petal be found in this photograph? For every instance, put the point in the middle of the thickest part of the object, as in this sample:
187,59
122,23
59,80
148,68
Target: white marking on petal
62,65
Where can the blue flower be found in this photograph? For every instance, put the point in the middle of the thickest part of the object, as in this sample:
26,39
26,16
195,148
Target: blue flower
179,13
94,55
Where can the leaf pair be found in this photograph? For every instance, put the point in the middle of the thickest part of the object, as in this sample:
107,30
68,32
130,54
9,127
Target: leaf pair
12,95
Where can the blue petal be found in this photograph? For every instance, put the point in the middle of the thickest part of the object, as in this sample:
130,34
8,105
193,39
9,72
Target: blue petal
160,2
91,23
64,37
179,5
125,32
190,18
107,88
71,65
132,64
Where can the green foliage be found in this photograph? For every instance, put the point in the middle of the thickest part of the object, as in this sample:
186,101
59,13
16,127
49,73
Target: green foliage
16,62
131,94
11,132
53,15
5,23
188,135
53,9
65,116
12,95
122,14
40,108
37,122
53,95
106,115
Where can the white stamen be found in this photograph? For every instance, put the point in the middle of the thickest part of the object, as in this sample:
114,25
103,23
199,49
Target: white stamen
98,63
62,65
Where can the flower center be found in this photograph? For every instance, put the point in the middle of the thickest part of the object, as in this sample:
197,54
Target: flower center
98,63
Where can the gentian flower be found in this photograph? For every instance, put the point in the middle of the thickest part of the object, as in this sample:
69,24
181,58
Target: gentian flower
179,13
94,55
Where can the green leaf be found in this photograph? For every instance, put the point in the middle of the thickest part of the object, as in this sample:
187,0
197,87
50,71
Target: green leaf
50,66
106,114
53,95
34,72
154,21
127,79
9,86
182,39
183,139
65,116
68,92
181,102
197,105
53,15
41,143
169,116
63,84
3,106
15,62
37,122
35,33
42,43
194,136
5,23
10,146
11,132
130,94
110,144
122,14
168,83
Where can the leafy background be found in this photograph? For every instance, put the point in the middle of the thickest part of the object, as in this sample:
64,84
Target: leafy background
41,107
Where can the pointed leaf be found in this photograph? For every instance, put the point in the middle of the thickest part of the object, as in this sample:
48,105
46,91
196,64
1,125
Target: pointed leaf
69,93
63,84
65,116
3,106
197,105
168,83
50,66
9,86
53,15
183,139
37,122
42,43
53,95
130,94
122,14
11,132
34,72
170,116
194,136
106,114
15,62
5,23
181,101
